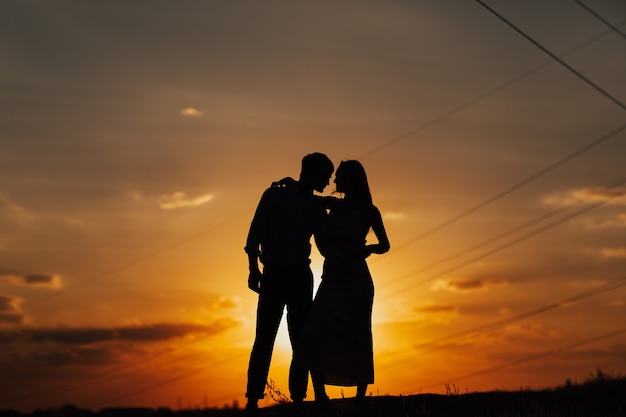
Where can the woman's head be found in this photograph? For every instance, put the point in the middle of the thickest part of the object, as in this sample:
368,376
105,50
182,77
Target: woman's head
351,180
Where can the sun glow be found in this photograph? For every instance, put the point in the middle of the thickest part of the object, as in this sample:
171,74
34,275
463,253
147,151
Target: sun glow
282,337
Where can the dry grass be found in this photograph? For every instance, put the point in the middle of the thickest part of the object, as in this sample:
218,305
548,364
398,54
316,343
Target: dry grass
601,395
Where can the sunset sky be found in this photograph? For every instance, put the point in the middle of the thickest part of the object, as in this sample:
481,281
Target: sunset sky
137,137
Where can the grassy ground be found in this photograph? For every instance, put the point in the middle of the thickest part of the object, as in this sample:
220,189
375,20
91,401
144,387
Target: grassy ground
602,397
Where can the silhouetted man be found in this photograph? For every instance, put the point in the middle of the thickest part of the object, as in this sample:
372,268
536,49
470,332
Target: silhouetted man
279,237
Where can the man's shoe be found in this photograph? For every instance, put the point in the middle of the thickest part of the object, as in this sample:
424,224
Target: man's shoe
297,408
360,406
322,401
321,407
252,409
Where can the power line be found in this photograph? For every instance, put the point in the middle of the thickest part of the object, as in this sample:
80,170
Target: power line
618,283
600,18
530,358
553,56
479,245
491,326
467,212
491,369
168,381
180,242
439,343
118,372
121,371
371,152
482,96
510,189
612,285
143,258
228,397
520,239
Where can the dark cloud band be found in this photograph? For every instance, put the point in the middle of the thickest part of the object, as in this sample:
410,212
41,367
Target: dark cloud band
143,333
30,280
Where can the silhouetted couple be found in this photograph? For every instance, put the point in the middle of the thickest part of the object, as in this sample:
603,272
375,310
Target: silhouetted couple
331,336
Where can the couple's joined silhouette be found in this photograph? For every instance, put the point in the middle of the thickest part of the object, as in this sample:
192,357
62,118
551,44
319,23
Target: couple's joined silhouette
331,335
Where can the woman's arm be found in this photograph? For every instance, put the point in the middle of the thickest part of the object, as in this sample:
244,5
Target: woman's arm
284,183
378,227
328,202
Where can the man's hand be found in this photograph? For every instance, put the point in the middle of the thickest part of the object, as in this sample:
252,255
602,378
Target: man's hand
254,281
286,182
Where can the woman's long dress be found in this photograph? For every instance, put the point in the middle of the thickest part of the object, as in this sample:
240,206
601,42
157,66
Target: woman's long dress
337,340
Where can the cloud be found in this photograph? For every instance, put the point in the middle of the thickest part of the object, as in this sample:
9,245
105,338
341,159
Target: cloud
446,311
82,336
30,280
613,252
588,195
615,196
393,215
609,223
526,331
436,313
166,331
437,309
179,199
468,284
7,303
75,355
10,312
69,336
191,112
11,318
135,196
227,303
52,350
14,211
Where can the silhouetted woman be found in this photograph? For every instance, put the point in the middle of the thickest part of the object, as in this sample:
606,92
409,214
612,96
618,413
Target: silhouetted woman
336,344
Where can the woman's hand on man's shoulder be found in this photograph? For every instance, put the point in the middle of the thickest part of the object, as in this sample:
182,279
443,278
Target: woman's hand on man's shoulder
286,182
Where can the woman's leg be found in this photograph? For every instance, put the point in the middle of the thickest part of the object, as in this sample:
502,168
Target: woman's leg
318,387
361,390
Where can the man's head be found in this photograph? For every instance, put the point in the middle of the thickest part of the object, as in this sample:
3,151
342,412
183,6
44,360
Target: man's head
316,171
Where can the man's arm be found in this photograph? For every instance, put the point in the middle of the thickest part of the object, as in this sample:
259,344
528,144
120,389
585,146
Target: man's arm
256,235
255,276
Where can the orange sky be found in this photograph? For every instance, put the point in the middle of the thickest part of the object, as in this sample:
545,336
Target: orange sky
137,139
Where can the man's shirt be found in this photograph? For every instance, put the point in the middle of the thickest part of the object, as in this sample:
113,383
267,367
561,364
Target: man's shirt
283,224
